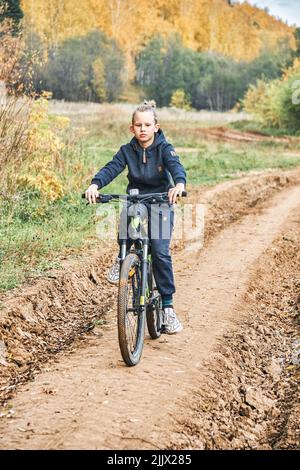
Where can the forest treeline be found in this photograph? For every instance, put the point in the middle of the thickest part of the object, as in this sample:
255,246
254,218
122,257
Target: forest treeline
197,53
231,28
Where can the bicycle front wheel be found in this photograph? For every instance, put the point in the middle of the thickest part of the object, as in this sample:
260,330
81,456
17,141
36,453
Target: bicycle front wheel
131,315
154,309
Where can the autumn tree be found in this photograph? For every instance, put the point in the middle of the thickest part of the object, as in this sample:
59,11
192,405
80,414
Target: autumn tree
57,20
180,100
98,79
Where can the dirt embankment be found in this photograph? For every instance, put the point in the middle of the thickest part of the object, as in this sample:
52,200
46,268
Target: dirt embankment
250,397
45,316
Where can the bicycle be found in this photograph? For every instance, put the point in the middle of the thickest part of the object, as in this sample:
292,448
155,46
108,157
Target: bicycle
139,301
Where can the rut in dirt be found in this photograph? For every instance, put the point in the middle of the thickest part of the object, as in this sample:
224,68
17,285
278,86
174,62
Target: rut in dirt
90,400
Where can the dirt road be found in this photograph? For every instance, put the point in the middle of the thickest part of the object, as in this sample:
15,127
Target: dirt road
226,134
90,400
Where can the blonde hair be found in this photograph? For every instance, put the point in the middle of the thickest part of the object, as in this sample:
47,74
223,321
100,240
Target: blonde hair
146,106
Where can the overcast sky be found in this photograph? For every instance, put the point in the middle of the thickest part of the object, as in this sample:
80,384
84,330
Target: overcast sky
288,10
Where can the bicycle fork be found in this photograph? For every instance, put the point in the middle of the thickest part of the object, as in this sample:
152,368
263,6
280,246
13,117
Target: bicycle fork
144,269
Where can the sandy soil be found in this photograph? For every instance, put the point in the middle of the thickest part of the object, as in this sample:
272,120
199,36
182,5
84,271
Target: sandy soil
88,399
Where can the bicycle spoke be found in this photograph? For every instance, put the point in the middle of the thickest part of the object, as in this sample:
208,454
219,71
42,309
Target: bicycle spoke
132,316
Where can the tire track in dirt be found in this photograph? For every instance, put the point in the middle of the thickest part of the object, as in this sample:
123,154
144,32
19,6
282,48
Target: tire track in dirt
91,400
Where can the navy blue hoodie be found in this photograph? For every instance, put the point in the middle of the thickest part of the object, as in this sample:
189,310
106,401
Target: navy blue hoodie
149,169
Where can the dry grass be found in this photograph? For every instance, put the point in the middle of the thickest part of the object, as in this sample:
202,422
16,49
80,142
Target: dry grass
122,112
14,111
14,117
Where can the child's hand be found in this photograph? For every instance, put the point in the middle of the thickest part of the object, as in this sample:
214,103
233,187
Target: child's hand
91,193
174,192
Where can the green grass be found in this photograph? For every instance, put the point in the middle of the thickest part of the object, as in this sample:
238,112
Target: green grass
35,236
225,162
31,243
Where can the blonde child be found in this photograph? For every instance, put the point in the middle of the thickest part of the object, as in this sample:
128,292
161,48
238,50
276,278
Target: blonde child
153,167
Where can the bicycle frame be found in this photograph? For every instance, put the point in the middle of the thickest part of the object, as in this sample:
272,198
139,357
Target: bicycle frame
143,254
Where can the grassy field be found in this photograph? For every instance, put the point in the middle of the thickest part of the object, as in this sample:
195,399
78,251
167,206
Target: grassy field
35,237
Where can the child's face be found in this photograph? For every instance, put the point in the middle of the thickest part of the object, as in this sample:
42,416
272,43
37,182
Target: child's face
144,127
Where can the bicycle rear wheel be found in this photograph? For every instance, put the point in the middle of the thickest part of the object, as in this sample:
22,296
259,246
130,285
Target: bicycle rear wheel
131,315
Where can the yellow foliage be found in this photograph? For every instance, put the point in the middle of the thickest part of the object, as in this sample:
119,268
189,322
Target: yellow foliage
44,170
239,30
263,102
180,100
99,79
46,182
289,72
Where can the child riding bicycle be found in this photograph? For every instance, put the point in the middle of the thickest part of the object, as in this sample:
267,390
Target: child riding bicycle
152,164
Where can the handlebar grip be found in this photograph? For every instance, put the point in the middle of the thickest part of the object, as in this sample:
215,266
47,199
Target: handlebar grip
98,198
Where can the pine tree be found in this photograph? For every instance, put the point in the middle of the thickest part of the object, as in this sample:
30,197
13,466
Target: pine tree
11,9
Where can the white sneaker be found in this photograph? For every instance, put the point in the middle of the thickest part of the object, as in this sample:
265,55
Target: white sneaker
170,321
113,273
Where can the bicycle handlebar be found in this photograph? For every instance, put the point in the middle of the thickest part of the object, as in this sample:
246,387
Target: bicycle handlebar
150,197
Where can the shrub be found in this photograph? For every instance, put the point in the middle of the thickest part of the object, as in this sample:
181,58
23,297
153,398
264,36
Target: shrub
44,169
30,143
275,102
180,100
